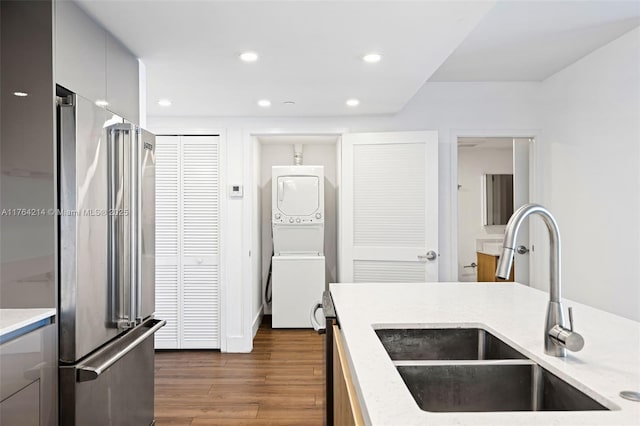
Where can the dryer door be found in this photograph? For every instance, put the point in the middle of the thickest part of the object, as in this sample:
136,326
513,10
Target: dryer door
298,195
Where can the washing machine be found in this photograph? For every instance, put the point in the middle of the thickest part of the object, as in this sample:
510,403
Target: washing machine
298,268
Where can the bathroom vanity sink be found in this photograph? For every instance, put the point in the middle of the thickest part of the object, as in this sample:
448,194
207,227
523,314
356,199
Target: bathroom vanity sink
444,344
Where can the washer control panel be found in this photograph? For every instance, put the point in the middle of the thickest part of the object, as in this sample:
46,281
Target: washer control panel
278,217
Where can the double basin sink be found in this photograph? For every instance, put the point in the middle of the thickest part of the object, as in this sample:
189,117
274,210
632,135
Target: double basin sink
471,370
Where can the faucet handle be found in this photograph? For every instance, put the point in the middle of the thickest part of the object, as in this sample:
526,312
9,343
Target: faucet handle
570,318
566,338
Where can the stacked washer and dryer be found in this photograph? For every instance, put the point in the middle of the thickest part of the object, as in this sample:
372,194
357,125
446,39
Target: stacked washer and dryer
298,263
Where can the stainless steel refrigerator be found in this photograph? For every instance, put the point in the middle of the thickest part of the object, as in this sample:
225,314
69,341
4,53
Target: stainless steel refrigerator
107,259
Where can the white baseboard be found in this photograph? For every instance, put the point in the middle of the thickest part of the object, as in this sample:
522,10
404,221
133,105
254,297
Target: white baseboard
243,344
239,344
257,321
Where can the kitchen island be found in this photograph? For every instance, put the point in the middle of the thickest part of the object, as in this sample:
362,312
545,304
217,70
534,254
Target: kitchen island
608,364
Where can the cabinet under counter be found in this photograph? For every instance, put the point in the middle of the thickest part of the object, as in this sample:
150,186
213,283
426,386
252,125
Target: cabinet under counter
28,367
487,264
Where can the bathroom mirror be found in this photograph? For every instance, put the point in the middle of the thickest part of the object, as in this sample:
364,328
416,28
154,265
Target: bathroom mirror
498,199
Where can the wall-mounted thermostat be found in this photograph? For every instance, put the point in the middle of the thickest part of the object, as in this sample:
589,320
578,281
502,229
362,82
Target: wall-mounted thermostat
235,191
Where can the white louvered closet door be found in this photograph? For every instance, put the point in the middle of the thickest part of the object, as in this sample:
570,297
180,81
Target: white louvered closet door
389,207
187,242
199,244
168,240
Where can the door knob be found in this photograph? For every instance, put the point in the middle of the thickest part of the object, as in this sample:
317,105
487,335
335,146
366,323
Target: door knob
522,250
430,255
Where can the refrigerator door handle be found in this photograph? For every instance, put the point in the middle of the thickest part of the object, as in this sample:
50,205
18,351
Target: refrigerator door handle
132,148
112,170
136,219
97,364
120,267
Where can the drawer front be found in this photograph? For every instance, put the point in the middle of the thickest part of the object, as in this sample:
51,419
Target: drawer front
22,408
29,362
20,362
122,395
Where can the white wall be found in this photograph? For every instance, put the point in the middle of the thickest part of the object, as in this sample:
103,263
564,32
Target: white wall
453,109
473,163
585,119
256,245
314,155
591,130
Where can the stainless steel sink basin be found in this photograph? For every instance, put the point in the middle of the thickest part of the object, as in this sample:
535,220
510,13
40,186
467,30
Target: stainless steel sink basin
471,370
445,344
492,387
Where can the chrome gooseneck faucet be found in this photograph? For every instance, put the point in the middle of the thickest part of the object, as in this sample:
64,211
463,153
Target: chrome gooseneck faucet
557,338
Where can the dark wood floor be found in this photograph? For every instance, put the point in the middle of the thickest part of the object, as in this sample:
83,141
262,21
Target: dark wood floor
280,383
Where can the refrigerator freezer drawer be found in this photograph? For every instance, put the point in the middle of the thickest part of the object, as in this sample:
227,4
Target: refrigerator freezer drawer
114,386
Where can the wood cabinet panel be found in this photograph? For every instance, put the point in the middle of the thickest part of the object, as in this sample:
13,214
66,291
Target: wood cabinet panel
346,407
487,265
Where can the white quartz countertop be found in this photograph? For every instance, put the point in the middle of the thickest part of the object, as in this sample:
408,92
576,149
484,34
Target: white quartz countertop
608,364
15,319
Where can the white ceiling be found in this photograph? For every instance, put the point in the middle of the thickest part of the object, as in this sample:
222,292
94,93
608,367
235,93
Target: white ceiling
310,52
531,40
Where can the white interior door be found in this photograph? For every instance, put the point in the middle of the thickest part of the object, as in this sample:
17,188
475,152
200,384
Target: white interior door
187,241
168,280
389,202
200,242
521,156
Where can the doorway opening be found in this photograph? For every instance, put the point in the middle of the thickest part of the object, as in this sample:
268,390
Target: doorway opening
288,150
493,181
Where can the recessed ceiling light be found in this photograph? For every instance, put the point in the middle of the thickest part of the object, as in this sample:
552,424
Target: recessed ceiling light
372,58
20,94
249,56
164,102
353,102
102,103
289,103
264,103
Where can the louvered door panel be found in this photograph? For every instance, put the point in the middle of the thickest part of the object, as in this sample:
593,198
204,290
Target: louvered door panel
167,306
168,240
388,272
200,243
200,196
167,196
200,319
389,195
